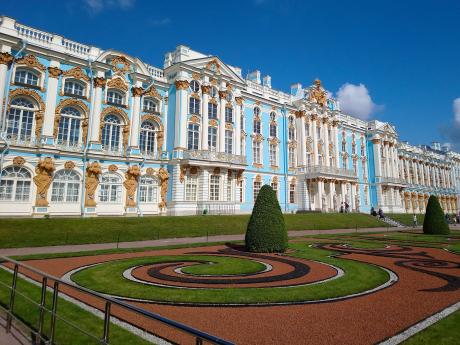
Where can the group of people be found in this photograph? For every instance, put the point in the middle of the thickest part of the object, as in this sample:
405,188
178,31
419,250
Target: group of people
345,207
377,213
453,219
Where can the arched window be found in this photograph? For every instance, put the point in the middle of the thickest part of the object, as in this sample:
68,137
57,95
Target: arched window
213,91
273,130
69,127
26,77
256,111
291,133
20,118
110,189
307,129
193,136
111,133
194,86
148,189
74,88
291,120
194,105
147,137
66,186
115,97
272,116
256,189
291,193
15,184
257,126
149,105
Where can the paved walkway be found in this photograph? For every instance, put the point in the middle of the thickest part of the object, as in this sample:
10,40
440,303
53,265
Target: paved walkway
171,241
7,338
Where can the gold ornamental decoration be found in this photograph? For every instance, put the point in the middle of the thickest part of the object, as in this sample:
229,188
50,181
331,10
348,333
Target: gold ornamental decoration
205,89
317,94
68,102
216,171
183,172
160,139
6,59
137,91
239,175
39,114
258,178
213,65
300,113
112,168
99,82
181,84
164,177
120,64
32,62
76,73
92,181
44,175
196,76
222,94
152,91
54,72
213,123
194,170
125,134
18,160
117,83
150,171
131,182
194,119
228,126
239,100
154,118
69,165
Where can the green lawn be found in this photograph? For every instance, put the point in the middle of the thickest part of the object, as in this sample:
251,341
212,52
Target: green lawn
407,219
28,232
108,278
65,334
444,332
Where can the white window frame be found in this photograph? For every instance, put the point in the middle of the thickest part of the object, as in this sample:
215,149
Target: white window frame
16,184
66,187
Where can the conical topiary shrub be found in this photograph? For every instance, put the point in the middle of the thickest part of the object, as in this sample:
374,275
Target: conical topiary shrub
266,232
434,222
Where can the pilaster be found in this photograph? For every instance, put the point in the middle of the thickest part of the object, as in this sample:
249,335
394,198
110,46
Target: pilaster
51,95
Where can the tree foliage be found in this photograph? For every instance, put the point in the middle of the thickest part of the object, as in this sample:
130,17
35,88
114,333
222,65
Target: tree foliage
435,222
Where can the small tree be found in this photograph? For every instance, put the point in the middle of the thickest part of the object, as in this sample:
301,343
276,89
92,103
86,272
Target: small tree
434,222
266,231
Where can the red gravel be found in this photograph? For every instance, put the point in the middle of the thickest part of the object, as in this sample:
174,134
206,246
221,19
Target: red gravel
362,320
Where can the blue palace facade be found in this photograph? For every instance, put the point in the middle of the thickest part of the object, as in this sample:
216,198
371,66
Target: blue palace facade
90,132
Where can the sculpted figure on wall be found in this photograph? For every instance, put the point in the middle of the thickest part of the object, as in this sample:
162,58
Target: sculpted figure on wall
131,182
42,180
317,94
164,177
92,181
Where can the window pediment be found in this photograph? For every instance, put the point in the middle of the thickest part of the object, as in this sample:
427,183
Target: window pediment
117,83
32,62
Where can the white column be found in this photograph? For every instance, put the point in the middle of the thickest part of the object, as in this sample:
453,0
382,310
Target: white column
335,133
221,136
5,59
414,164
320,194
135,115
315,140
180,140
301,149
239,105
395,161
377,158
204,114
51,96
409,176
326,143
331,196
96,100
422,173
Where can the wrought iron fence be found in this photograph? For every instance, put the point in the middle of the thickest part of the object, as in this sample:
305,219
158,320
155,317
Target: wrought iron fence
48,317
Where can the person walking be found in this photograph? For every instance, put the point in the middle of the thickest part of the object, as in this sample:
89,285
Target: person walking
415,220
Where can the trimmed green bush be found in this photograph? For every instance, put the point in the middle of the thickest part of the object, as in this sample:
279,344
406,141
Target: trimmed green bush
266,231
434,222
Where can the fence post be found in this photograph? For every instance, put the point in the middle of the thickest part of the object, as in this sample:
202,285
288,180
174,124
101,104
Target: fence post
42,309
53,312
9,317
105,339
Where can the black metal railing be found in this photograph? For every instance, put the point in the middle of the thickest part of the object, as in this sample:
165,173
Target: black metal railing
143,321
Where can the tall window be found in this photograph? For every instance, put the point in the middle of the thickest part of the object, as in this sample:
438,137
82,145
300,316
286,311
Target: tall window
344,146
256,190
148,188
66,186
193,136
274,186
111,133
110,189
114,97
149,105
214,188
212,110
344,163
69,127
228,141
353,148
191,187
256,111
355,167
15,184
291,133
307,129
212,138
74,88
318,133
363,150
213,91
273,131
147,137
26,77
241,191
228,114
256,126
272,116
194,106
291,157
20,118
273,155
309,162
194,86
229,189
256,152
292,193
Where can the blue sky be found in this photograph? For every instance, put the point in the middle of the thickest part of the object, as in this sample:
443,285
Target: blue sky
395,61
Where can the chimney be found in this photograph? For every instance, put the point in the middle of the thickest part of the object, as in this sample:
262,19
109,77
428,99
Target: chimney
296,89
254,76
267,81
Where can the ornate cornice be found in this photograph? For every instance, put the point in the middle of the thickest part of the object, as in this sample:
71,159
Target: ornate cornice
99,82
300,113
120,60
54,72
181,84
222,94
32,62
213,65
206,89
76,73
117,83
137,91
152,91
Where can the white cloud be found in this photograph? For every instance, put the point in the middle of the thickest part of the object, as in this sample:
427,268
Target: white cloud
355,100
456,107
96,6
161,21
